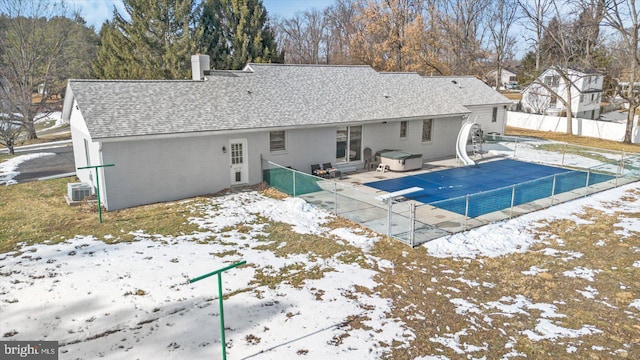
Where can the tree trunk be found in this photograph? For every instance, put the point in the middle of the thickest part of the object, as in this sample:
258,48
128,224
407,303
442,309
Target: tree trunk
568,108
31,130
630,123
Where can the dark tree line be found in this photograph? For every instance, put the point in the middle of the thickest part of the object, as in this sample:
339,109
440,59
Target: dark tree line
154,39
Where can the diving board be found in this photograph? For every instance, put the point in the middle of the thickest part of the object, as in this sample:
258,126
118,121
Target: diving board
399,193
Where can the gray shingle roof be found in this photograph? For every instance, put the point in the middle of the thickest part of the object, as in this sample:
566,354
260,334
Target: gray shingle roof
265,96
470,90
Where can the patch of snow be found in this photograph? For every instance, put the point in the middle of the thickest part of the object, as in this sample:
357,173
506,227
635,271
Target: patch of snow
452,341
365,242
589,292
534,270
514,235
547,330
53,116
132,299
582,273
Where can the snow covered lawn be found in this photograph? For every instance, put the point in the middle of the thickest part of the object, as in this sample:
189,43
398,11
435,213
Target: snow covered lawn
551,284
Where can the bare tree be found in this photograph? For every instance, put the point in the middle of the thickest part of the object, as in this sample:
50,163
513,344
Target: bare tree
304,37
624,17
10,122
340,23
464,27
502,16
561,52
537,99
32,46
535,15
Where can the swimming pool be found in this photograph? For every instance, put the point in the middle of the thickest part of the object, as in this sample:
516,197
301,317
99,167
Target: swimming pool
490,185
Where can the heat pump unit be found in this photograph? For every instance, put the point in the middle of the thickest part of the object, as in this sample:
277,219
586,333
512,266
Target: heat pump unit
78,191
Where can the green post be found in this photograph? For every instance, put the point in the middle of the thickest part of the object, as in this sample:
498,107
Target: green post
220,298
97,185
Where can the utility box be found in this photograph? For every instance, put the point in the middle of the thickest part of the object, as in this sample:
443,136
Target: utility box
78,191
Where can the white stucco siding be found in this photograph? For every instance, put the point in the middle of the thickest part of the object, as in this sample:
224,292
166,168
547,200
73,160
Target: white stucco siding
303,148
150,171
483,115
387,136
85,150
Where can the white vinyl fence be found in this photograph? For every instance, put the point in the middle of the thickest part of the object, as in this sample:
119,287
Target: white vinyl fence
583,127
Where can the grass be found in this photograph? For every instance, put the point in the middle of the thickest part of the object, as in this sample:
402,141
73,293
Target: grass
36,211
428,286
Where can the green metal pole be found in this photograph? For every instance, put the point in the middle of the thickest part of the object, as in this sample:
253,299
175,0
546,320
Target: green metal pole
98,194
220,299
97,184
224,344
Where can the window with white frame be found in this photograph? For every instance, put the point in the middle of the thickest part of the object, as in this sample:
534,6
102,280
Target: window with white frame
427,130
277,141
494,116
403,129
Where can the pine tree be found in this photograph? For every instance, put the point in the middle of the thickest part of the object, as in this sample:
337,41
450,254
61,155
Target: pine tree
236,32
154,41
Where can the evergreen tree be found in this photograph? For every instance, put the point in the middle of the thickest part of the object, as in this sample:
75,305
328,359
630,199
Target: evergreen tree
236,32
154,41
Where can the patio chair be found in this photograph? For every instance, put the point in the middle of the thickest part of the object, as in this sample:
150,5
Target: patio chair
369,161
333,172
317,171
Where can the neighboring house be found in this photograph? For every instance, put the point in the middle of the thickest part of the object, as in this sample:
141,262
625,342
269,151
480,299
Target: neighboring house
586,94
508,78
171,140
488,107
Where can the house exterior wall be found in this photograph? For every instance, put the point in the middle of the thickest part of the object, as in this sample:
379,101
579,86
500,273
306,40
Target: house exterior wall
149,171
85,151
303,148
483,115
156,170
318,145
585,95
507,78
381,136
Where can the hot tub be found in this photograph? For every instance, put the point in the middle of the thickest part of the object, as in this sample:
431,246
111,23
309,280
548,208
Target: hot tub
400,160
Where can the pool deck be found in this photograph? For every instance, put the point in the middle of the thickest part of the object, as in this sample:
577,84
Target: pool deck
350,198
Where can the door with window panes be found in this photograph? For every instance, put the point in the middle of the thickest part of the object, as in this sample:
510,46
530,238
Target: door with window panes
238,161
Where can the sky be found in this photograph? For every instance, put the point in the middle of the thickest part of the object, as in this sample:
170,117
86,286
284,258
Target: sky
96,12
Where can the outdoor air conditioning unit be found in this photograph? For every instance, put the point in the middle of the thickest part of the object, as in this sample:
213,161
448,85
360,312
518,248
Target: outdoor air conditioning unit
78,191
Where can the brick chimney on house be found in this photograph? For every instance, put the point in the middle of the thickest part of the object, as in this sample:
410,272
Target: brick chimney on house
200,65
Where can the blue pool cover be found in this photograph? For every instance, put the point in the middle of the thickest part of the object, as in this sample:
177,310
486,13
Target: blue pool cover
489,185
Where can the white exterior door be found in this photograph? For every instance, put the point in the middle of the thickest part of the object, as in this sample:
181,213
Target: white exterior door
238,161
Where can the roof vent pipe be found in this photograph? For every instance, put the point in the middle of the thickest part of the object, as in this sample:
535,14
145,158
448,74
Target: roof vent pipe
199,64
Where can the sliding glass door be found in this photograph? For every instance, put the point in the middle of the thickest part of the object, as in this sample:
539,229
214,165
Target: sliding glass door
348,143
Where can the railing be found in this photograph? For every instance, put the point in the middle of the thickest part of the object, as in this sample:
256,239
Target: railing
416,223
